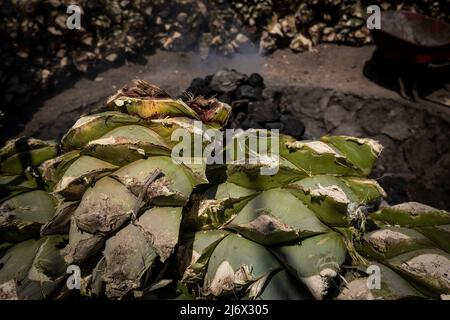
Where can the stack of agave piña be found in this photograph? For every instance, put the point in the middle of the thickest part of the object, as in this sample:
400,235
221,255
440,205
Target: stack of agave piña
139,224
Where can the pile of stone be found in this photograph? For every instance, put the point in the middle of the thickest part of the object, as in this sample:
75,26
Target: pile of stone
252,108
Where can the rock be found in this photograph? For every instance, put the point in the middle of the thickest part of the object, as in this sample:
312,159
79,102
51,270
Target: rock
334,116
263,111
267,43
274,126
248,92
242,43
250,124
200,87
292,127
398,130
227,80
111,57
255,80
240,104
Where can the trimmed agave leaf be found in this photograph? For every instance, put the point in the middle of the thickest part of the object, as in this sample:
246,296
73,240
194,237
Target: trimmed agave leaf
329,196
60,223
282,286
392,287
12,185
411,214
217,205
250,175
131,253
391,241
428,267
18,162
94,126
173,188
166,127
19,145
127,144
22,215
104,207
217,114
82,245
47,271
80,175
357,190
361,152
237,263
196,173
4,246
365,190
440,235
253,164
52,170
14,266
315,261
153,108
162,224
276,216
195,252
318,157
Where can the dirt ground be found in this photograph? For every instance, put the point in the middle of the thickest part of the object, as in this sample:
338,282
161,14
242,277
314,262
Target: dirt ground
327,90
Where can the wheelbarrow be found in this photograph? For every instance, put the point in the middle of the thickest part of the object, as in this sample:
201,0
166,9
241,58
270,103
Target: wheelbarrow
412,41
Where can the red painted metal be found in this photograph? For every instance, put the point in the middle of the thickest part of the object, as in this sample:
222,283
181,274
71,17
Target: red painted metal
409,37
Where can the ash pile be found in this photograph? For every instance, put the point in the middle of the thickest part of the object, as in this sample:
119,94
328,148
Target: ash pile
252,106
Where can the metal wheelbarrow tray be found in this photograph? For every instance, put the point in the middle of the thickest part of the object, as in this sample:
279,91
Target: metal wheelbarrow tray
412,38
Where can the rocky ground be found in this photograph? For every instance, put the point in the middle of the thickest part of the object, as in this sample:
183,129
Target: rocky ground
326,92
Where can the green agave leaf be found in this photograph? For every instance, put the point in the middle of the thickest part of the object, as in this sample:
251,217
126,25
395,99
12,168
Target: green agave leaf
282,286
315,261
318,157
12,185
237,263
47,271
4,246
391,241
196,173
217,205
361,152
60,223
428,267
20,145
22,215
392,287
249,175
83,172
173,188
52,170
18,162
440,235
16,262
166,127
130,254
127,144
276,216
411,214
94,126
195,252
